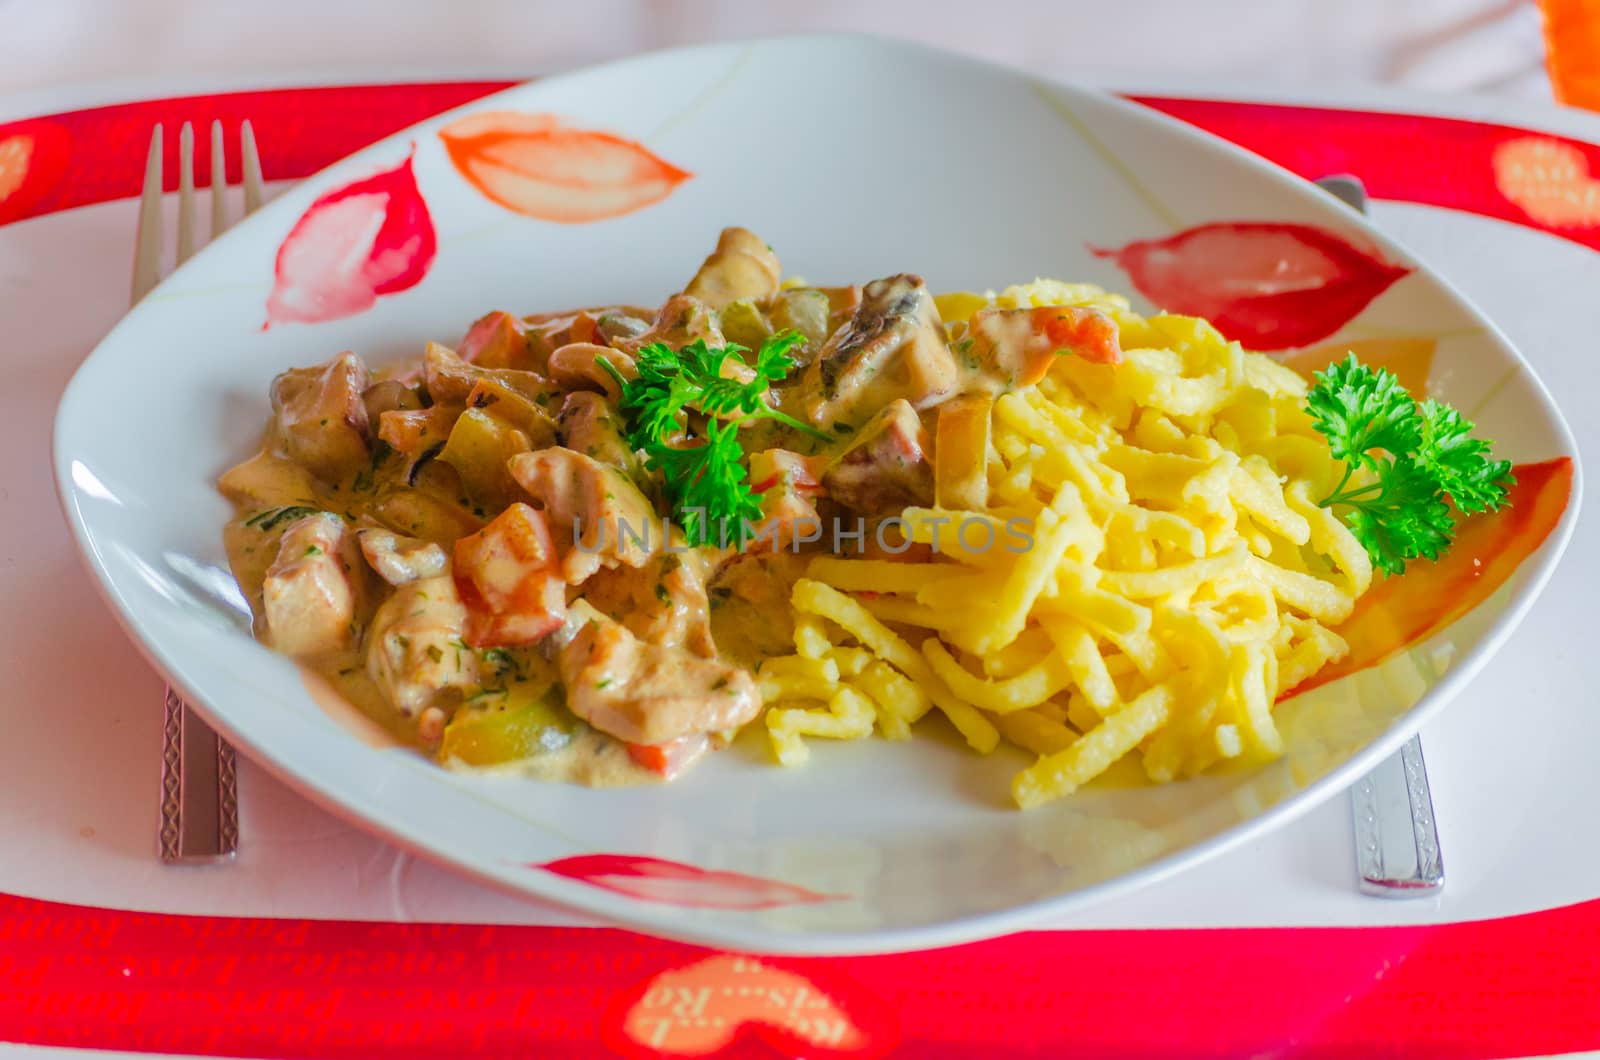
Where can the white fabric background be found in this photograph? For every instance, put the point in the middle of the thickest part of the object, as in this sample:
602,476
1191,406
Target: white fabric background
1489,46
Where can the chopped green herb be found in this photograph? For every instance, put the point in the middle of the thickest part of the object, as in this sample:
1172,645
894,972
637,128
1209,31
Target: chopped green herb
707,483
272,518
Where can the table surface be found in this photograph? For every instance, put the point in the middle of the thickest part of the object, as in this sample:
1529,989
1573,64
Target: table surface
91,842
1434,45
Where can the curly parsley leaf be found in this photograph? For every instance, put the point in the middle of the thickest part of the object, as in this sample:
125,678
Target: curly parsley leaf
1462,463
1413,461
705,477
1359,409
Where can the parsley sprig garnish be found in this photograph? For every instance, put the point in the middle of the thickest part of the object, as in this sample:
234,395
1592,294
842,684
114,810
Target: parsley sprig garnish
705,477
1414,461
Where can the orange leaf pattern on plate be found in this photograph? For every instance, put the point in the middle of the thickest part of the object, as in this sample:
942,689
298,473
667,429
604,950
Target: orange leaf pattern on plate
535,165
1408,358
367,238
1549,180
32,159
702,1009
15,153
1399,612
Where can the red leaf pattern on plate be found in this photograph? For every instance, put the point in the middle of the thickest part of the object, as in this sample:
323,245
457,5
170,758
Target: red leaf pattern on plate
369,238
535,165
1267,286
707,1009
674,883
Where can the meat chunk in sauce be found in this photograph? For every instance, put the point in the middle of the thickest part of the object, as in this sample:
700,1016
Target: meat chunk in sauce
399,559
415,649
886,468
589,424
742,268
267,480
1011,348
313,589
508,576
580,367
680,320
648,693
893,347
450,380
499,340
788,486
596,514
663,602
320,418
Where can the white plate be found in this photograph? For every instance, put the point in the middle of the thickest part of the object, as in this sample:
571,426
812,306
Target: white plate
855,158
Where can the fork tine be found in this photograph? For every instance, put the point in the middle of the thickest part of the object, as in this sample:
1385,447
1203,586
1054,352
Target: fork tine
219,181
185,192
147,244
251,168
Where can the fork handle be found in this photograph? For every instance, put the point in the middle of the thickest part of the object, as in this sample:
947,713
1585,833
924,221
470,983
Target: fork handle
199,794
1397,843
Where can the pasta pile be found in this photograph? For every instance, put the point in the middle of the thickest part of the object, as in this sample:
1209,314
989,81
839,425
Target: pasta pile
1180,577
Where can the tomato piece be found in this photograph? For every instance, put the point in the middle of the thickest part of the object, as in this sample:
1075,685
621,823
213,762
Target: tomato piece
670,758
508,577
1088,333
586,328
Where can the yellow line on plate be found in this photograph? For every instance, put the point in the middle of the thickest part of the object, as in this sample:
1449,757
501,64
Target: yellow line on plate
1356,329
197,292
1494,391
1047,95
699,102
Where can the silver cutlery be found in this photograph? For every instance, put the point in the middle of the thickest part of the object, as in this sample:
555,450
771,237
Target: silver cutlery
1397,843
199,795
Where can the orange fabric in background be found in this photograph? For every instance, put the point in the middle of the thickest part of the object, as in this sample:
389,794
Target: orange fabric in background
1572,50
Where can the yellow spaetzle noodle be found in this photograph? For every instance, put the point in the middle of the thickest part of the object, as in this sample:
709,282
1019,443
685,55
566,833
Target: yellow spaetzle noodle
1177,575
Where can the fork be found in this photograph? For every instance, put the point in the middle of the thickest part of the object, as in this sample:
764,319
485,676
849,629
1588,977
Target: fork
199,794
1397,843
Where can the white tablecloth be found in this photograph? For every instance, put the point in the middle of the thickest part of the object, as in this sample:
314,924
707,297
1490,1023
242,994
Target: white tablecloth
1448,46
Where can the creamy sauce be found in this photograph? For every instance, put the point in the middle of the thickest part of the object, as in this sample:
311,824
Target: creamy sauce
592,759
751,619
269,491
504,710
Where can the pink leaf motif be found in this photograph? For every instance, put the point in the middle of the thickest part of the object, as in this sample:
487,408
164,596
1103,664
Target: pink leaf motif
674,883
368,238
1267,286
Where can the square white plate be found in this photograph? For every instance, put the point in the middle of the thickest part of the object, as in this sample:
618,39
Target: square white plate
854,158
